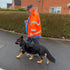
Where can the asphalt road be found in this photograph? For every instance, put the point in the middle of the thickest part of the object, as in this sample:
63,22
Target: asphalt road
8,52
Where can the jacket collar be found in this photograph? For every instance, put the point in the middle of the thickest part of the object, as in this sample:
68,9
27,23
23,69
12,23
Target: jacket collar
33,10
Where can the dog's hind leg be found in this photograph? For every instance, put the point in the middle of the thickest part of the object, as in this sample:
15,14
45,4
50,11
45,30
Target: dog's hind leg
40,60
47,58
31,57
21,54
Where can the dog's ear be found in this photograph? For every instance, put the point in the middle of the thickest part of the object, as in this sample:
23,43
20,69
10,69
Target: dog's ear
22,37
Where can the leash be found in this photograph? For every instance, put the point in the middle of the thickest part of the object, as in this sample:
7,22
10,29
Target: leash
29,40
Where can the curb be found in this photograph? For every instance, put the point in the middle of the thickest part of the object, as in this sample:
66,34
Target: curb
59,39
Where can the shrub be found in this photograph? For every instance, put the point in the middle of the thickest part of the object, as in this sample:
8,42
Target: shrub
17,9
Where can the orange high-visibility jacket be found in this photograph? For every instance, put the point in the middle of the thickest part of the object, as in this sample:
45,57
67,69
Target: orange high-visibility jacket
34,25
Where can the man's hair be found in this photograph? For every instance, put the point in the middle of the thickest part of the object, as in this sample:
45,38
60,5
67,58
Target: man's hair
29,6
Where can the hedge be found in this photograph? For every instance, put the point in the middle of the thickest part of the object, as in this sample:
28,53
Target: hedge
17,9
53,25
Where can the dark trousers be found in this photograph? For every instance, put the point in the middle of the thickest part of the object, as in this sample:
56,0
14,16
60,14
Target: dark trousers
36,41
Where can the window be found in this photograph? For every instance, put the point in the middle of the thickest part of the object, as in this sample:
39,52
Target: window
55,10
36,8
38,0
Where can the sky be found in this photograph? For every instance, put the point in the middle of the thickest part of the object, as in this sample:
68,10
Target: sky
3,3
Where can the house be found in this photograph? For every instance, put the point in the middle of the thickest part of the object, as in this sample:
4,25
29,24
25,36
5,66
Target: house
46,6
9,5
16,4
49,6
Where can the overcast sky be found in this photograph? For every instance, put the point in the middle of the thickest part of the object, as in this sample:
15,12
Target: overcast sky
3,3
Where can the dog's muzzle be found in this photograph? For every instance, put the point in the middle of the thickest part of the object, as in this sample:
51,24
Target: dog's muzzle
16,43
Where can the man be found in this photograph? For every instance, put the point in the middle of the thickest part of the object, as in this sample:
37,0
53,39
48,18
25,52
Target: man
33,25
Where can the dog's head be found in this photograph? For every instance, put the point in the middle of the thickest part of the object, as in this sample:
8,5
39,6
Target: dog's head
20,41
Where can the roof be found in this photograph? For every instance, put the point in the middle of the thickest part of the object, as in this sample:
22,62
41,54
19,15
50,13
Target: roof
17,2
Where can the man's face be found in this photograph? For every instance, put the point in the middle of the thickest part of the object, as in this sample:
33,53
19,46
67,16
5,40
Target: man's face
30,10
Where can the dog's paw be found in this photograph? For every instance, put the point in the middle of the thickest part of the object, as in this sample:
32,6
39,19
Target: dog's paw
17,57
48,62
30,58
39,62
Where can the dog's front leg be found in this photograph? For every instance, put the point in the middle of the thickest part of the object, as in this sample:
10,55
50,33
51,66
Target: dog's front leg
31,57
40,60
21,54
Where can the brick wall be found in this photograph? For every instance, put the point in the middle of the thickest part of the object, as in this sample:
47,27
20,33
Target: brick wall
12,4
44,5
34,2
16,6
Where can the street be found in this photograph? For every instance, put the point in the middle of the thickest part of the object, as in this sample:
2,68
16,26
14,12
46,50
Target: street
9,50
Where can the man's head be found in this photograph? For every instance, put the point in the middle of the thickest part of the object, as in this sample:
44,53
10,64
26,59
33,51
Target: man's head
30,8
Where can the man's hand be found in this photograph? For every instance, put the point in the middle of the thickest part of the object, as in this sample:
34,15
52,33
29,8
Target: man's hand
31,34
25,21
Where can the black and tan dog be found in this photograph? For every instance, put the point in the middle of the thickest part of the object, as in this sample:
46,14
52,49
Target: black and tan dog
33,49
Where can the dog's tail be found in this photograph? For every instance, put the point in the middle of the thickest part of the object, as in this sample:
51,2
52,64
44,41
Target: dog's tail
50,57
